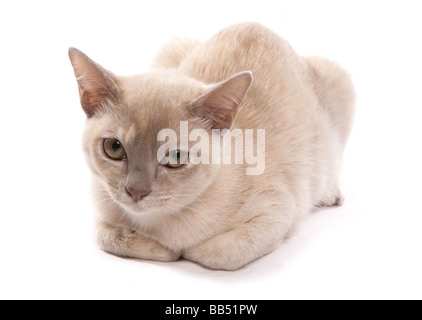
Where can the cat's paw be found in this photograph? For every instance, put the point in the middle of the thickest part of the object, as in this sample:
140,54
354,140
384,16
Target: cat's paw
148,249
124,242
333,201
339,201
214,257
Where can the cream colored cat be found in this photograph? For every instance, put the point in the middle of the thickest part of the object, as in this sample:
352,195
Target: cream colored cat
216,215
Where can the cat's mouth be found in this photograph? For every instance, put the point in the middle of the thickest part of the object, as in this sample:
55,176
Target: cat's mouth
135,207
150,203
148,206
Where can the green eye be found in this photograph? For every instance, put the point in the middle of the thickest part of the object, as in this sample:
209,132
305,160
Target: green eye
114,149
175,159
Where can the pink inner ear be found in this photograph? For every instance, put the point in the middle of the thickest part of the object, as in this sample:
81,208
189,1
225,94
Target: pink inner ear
219,106
92,99
96,85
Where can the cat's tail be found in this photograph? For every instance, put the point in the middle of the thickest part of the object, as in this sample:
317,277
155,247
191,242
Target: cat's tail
336,93
174,52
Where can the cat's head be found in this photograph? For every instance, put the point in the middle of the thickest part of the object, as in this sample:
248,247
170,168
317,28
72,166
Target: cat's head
125,116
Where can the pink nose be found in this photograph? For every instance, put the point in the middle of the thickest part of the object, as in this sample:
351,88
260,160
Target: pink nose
137,194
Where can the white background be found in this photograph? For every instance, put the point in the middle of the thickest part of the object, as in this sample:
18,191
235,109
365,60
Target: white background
369,248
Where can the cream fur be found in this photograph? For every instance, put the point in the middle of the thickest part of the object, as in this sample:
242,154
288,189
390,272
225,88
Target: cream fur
217,215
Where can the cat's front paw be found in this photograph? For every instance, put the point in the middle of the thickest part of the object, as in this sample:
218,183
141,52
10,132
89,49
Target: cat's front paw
214,258
124,242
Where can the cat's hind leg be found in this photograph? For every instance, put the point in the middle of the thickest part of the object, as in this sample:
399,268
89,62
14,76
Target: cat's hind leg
335,92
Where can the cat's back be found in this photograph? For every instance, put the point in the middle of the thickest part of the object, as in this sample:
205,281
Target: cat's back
291,97
278,72
241,47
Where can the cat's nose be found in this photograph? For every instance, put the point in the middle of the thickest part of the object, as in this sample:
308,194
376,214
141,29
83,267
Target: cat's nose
137,194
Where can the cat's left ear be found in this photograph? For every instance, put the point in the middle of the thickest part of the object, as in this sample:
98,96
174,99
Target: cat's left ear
219,105
96,85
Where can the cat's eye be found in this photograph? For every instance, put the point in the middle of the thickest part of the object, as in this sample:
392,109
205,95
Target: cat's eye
175,159
113,148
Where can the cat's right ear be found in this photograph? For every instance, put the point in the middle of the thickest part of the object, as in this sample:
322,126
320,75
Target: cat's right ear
219,106
96,85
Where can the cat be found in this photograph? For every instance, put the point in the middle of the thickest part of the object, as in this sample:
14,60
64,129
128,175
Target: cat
244,77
